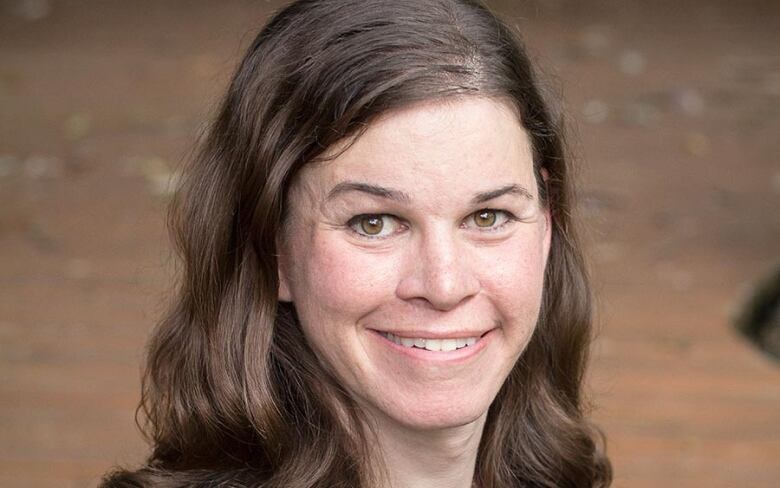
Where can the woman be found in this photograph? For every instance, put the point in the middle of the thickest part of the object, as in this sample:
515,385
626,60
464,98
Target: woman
381,283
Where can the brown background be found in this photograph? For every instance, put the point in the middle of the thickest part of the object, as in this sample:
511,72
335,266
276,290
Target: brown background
675,120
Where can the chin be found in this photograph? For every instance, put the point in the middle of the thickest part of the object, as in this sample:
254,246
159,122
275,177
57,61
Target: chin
438,415
442,422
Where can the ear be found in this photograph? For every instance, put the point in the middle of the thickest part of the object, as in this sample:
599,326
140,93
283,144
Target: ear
548,223
283,294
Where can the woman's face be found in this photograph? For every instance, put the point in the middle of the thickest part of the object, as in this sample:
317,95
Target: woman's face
415,260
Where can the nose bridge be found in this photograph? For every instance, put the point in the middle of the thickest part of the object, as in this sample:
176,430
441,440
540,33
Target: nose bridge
440,253
442,272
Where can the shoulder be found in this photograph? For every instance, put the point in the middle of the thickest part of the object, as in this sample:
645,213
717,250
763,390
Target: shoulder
153,477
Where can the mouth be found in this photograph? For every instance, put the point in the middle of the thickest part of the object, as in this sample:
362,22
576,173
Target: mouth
447,344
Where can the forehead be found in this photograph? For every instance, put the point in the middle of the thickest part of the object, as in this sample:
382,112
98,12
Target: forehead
454,144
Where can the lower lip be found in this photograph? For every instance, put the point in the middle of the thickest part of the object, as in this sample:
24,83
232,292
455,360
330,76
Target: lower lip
458,355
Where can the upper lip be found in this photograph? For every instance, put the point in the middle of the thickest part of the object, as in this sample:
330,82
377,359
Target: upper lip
436,334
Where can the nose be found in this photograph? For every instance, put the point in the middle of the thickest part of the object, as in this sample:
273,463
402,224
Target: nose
438,270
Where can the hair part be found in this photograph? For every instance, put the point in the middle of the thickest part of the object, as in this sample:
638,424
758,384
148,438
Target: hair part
232,393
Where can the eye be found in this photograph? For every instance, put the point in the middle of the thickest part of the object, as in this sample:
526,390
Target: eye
489,219
374,226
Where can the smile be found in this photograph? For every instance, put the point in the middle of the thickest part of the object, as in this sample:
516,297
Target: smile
444,345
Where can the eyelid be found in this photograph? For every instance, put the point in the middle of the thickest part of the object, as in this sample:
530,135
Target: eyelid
354,222
509,217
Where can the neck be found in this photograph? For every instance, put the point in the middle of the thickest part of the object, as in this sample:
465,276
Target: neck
435,458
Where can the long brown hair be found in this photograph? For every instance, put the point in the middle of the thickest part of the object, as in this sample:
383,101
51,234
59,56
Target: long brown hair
232,394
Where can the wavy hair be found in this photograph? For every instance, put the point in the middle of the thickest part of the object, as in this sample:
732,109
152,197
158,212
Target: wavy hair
232,394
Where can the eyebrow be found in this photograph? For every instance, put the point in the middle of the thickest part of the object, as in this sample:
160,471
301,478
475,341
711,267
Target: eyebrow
397,195
504,190
379,191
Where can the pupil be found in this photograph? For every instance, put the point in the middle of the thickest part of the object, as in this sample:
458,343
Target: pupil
371,225
486,218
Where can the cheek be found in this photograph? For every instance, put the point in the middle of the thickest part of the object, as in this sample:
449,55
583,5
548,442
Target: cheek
514,280
344,281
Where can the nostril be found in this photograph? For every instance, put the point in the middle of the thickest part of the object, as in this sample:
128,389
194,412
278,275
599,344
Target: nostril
440,277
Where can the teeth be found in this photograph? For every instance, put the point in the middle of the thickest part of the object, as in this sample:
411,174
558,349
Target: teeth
448,344
444,345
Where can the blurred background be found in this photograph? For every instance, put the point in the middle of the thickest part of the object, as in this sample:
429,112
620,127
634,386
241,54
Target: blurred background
674,111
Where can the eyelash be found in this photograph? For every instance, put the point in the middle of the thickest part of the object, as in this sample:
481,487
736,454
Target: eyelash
354,221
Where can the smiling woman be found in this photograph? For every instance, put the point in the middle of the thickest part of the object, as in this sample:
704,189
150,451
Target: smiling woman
442,257
382,286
